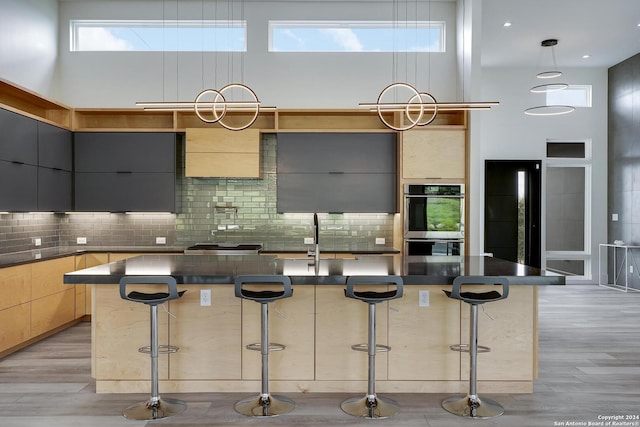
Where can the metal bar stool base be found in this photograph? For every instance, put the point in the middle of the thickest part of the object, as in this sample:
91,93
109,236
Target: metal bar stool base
380,407
473,407
149,410
260,407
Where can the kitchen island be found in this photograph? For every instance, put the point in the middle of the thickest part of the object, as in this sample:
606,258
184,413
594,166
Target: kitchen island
318,325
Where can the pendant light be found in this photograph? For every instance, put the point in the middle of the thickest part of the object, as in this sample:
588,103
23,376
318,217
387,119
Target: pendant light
212,105
416,108
549,110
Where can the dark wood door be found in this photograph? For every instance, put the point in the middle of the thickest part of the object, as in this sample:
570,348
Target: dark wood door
512,210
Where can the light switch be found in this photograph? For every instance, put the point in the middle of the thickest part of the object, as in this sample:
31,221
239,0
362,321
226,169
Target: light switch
614,217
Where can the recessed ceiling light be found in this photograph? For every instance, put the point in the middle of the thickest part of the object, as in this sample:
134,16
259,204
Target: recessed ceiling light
586,56
508,24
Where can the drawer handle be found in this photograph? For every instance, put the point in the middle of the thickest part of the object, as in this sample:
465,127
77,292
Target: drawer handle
336,173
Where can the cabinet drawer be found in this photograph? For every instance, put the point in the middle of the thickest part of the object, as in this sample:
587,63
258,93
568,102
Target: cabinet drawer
119,192
336,152
22,194
54,147
202,140
15,285
54,190
52,311
355,192
433,154
16,327
124,152
18,138
236,165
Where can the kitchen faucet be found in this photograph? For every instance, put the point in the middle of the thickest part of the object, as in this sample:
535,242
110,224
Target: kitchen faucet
315,252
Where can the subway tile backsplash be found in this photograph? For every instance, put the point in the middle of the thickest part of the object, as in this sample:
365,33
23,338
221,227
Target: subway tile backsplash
210,210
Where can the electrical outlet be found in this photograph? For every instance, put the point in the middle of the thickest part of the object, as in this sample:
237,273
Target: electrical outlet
423,298
161,240
81,240
205,297
308,240
37,241
614,217
380,240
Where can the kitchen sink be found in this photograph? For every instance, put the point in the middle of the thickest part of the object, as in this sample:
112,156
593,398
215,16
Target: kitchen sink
224,249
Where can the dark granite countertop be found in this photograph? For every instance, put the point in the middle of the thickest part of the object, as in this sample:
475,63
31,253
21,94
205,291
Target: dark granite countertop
222,269
25,257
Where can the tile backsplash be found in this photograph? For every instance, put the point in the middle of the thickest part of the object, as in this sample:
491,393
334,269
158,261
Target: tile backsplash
210,210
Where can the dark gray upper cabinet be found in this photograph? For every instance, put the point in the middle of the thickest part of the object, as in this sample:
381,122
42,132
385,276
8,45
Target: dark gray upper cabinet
18,138
125,171
360,192
120,192
55,147
336,152
125,152
55,190
19,188
337,172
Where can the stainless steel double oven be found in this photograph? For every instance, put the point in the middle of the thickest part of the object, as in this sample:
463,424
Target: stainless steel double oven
434,219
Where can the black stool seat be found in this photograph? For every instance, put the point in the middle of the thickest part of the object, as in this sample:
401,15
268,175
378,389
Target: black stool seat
373,297
477,297
156,298
153,298
262,296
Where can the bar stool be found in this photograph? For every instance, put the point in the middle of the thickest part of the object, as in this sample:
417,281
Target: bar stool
371,405
155,408
265,404
471,405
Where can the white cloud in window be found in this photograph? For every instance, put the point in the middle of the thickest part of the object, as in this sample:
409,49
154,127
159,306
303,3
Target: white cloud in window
346,38
101,39
433,47
299,41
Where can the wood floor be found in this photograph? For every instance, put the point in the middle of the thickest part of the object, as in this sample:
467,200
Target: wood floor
589,368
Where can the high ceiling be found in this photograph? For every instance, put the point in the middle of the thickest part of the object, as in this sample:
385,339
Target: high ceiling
607,30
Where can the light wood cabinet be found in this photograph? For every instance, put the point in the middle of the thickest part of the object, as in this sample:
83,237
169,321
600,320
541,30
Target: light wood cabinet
84,292
15,285
207,335
291,322
436,154
36,301
340,323
53,302
220,153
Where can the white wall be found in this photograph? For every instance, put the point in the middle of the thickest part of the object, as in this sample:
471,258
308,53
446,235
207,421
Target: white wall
29,43
507,133
284,80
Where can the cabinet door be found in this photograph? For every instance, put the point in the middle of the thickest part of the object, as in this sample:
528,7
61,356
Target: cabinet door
336,152
54,190
118,192
434,154
337,192
22,192
124,152
54,147
18,138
